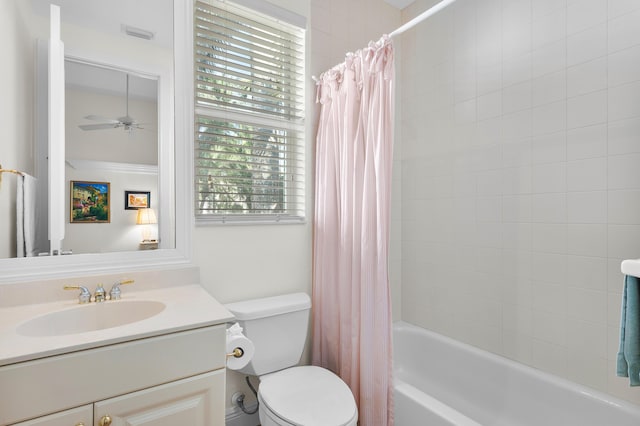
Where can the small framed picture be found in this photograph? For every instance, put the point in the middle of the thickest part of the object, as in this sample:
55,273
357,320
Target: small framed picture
90,202
134,200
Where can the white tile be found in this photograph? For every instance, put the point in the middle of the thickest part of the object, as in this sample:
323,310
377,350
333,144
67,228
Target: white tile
550,298
489,183
585,14
587,45
624,172
489,105
549,28
583,335
549,148
489,234
549,238
587,370
624,31
588,305
489,78
624,66
587,175
614,305
549,88
587,142
517,236
516,69
516,180
624,101
549,118
516,35
516,289
550,357
517,126
549,58
516,154
549,177
549,267
465,112
516,270
587,207
488,209
540,8
550,327
587,77
587,110
623,136
489,131
517,346
587,240
516,208
549,208
587,272
486,158
516,97
624,207
623,242
621,7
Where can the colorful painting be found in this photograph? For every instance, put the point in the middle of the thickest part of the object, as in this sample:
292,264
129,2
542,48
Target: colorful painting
134,200
90,202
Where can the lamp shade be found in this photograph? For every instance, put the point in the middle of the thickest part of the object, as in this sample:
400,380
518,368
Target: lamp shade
146,217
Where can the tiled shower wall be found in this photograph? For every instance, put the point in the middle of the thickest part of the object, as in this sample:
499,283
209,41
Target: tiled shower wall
520,133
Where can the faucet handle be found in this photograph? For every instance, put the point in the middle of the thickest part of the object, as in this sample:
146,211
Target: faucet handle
84,296
115,290
100,293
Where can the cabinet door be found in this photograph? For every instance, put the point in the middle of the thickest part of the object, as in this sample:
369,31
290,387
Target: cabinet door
81,416
195,401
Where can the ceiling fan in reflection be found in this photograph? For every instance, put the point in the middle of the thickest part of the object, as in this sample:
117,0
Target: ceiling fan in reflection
127,122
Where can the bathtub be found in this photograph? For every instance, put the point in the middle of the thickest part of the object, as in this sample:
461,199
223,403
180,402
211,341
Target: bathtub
439,381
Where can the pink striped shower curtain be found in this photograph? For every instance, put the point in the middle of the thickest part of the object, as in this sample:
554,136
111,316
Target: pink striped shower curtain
351,297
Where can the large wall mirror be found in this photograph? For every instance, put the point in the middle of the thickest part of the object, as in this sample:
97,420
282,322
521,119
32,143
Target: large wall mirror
120,129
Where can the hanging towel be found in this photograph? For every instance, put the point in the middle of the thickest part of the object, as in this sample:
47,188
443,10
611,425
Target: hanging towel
26,215
629,352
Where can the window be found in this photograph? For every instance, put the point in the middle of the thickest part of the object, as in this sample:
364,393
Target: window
249,116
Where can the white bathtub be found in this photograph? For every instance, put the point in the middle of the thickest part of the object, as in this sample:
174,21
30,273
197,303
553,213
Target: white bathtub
440,381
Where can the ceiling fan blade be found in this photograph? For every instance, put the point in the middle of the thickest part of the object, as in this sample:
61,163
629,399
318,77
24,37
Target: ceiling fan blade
100,126
100,118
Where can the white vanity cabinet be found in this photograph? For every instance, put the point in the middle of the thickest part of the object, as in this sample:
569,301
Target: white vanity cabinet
172,379
195,401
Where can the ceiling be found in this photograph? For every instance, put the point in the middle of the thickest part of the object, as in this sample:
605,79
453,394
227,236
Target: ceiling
399,4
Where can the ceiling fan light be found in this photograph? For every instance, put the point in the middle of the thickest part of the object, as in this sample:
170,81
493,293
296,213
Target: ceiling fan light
137,32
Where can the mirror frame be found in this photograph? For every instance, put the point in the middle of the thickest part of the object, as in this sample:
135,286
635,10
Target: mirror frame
174,176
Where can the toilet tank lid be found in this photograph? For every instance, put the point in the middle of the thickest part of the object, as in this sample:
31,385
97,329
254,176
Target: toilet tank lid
269,306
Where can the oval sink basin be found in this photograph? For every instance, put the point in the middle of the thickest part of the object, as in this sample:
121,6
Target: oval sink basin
91,317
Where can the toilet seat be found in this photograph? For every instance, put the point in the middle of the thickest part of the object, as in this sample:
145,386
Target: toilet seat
307,396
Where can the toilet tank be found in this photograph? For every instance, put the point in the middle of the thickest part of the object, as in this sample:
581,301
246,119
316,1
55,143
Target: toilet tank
277,326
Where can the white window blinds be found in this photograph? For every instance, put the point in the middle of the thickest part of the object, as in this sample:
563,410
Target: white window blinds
249,124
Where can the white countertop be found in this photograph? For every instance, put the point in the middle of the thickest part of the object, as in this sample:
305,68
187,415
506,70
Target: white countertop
187,307
631,267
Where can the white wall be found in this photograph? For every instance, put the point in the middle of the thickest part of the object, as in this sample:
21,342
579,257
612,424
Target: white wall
16,117
521,191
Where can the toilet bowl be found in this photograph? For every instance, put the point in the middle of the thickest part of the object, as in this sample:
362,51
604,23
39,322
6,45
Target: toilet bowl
290,395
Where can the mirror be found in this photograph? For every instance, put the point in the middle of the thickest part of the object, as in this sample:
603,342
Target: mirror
110,37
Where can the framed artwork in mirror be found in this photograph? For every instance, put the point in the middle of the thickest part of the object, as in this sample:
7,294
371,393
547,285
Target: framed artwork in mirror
134,200
90,202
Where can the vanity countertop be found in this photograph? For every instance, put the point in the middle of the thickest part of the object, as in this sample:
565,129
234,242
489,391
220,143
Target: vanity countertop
186,307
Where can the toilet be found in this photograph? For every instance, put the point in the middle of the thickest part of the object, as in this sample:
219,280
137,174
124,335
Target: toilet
289,394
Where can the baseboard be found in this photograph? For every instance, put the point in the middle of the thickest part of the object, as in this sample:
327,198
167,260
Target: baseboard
235,417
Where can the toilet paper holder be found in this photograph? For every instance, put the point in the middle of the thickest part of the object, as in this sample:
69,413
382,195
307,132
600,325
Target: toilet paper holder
236,353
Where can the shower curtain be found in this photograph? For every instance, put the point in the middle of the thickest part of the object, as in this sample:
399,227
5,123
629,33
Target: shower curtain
351,297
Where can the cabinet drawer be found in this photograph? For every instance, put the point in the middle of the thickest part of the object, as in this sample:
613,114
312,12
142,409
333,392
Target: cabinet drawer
74,417
35,388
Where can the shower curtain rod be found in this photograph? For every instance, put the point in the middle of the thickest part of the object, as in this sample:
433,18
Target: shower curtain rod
424,15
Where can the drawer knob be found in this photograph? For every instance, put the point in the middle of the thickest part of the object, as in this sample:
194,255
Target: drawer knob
105,421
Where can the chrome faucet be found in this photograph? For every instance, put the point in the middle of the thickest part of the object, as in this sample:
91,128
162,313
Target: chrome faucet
84,296
115,292
100,294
